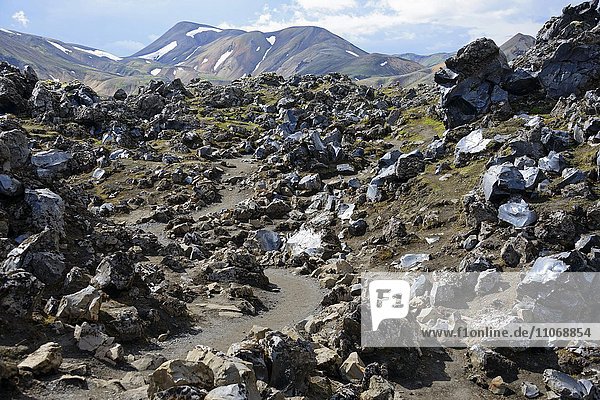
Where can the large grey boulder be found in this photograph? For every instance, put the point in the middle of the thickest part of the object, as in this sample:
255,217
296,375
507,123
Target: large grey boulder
44,103
14,149
114,273
180,373
502,180
20,293
227,370
51,162
85,304
471,82
15,88
36,255
566,56
10,187
518,214
292,362
47,210
568,387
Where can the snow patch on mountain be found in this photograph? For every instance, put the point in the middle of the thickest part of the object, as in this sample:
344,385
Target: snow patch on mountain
9,32
160,52
192,53
99,53
205,61
352,53
58,46
202,29
263,59
272,39
222,59
155,71
383,64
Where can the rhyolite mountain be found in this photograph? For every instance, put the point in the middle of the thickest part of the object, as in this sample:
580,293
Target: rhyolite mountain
189,50
517,46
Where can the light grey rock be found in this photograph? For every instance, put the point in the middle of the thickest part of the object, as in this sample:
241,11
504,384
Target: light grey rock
529,390
473,143
568,387
91,337
84,304
518,214
228,392
410,260
310,183
45,360
553,162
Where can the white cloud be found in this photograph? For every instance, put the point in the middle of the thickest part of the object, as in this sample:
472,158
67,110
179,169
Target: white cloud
21,18
331,5
125,46
357,20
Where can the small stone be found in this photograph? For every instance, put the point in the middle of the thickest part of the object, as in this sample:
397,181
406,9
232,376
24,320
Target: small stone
498,386
353,368
529,390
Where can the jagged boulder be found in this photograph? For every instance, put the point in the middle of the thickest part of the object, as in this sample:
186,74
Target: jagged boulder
227,370
20,293
14,149
15,88
180,373
471,82
114,273
566,56
46,359
10,187
49,267
47,210
85,304
291,362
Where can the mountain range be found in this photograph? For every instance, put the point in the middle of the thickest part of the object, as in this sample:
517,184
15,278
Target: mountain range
189,50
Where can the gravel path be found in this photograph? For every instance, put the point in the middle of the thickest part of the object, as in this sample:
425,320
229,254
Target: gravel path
297,298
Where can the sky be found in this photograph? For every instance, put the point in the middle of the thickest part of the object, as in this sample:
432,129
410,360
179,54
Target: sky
123,27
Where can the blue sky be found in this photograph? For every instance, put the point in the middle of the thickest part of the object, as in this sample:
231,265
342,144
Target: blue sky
387,26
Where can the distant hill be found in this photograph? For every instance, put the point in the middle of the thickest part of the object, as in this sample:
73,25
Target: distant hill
517,45
189,50
427,60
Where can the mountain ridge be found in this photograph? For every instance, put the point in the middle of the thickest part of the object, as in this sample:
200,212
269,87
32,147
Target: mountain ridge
191,50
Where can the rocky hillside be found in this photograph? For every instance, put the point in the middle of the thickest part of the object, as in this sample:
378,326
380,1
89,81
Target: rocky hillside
207,242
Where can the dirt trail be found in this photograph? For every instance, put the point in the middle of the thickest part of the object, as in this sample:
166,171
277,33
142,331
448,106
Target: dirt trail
297,298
